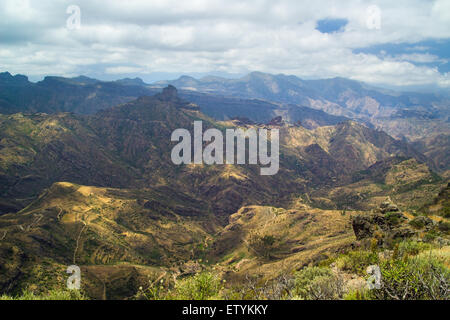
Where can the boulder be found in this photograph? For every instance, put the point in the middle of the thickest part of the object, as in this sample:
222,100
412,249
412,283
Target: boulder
422,222
388,223
388,206
365,225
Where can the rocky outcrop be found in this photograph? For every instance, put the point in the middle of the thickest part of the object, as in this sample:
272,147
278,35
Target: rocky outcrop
169,94
277,121
388,206
386,223
365,225
422,222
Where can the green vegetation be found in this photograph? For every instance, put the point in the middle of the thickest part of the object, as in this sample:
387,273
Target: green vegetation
412,248
357,261
50,295
202,286
413,278
263,246
318,283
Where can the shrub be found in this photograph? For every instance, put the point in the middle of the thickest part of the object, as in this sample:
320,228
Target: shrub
357,261
415,278
155,291
263,246
393,218
410,247
444,226
255,287
202,286
446,212
430,236
318,283
50,295
361,294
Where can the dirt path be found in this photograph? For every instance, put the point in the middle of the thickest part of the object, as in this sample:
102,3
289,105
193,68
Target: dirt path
59,213
78,242
35,222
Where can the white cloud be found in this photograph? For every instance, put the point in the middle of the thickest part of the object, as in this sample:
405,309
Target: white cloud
222,35
122,70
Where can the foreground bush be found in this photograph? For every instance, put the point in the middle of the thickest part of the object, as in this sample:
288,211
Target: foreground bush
414,278
357,261
318,283
409,247
50,295
255,287
202,286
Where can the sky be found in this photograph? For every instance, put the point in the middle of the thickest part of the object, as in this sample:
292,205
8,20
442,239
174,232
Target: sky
394,43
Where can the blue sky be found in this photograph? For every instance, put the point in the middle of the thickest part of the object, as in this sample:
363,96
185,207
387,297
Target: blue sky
402,43
431,53
331,25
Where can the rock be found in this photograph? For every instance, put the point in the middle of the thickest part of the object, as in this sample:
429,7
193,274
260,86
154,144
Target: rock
388,206
395,218
169,93
277,121
243,121
387,224
421,222
401,233
364,226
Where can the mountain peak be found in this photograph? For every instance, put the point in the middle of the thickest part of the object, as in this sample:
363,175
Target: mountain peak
129,81
257,75
169,93
17,79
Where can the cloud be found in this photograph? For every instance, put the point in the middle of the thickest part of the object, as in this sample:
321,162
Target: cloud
198,36
122,70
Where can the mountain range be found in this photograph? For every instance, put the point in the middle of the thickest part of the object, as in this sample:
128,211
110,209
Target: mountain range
86,175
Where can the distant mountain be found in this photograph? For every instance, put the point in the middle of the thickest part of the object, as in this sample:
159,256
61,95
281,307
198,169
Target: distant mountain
81,95
436,148
402,115
225,108
128,146
409,115
132,82
419,118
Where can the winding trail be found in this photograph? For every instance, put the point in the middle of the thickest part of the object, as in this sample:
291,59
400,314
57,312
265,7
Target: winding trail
59,213
78,242
35,222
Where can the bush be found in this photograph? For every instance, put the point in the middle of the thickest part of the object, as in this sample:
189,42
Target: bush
357,261
446,212
263,246
50,295
416,278
430,236
393,218
410,247
444,226
361,294
202,286
318,283
255,287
